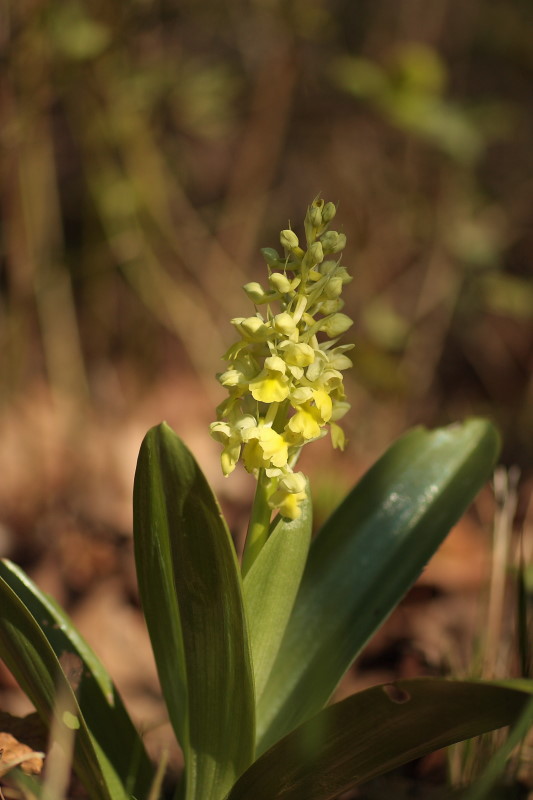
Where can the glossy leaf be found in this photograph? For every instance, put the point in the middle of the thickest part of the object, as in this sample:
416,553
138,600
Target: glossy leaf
373,732
191,594
365,558
30,657
99,701
270,588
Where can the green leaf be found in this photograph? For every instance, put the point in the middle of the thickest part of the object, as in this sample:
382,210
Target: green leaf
30,657
482,787
365,558
30,787
270,588
373,732
191,594
98,699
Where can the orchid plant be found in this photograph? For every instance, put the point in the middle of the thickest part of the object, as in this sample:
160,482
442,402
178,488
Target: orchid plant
249,655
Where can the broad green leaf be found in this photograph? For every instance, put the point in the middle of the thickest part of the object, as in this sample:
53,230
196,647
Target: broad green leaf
30,657
270,588
365,558
99,701
191,594
373,732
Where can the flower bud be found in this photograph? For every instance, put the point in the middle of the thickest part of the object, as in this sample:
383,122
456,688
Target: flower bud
336,324
315,216
275,364
293,482
255,292
313,256
288,240
298,354
284,323
333,288
280,282
328,212
255,328
333,242
252,328
332,306
301,395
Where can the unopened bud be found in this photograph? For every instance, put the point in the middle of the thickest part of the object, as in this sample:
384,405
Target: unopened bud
315,216
333,242
332,306
288,239
328,212
293,482
336,324
314,255
255,292
284,323
333,288
280,282
298,354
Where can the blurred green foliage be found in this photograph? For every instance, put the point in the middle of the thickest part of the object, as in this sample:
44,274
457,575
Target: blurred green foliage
149,148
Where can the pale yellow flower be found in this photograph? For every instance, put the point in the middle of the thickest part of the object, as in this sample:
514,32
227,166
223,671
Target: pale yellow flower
272,384
230,435
289,494
263,448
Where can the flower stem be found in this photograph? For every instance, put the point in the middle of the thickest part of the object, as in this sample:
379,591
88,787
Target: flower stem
259,525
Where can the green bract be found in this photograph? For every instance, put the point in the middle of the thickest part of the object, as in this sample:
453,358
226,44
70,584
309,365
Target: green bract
284,375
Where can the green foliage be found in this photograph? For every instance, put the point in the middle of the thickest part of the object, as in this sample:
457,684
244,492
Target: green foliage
295,623
365,558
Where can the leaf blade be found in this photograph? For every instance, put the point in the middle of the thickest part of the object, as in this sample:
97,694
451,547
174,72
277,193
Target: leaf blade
365,558
375,731
30,657
270,587
98,698
181,539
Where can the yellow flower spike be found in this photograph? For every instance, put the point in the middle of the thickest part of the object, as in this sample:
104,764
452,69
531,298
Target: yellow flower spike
264,447
284,375
272,384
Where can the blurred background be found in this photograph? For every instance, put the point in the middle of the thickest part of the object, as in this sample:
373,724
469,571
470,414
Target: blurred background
149,149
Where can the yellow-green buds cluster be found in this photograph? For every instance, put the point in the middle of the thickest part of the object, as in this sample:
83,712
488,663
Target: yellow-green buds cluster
284,374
